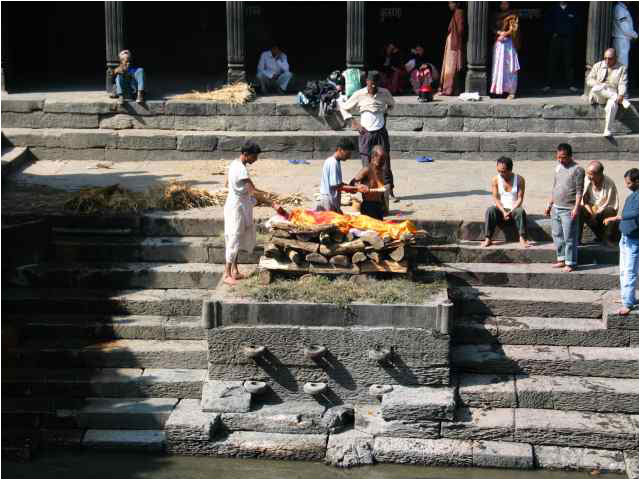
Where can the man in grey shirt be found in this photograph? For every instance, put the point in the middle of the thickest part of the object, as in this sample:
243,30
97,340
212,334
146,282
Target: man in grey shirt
564,208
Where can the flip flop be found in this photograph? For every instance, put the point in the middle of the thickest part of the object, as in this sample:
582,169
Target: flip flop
424,159
298,162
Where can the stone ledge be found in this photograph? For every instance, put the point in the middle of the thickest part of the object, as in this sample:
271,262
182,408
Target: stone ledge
568,458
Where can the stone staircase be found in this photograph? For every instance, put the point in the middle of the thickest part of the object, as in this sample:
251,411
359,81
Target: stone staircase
58,129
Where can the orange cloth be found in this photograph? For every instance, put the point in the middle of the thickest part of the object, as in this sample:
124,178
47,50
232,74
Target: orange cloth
301,217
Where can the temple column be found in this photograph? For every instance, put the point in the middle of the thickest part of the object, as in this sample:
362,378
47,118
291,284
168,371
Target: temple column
598,34
4,62
114,29
477,18
235,42
355,34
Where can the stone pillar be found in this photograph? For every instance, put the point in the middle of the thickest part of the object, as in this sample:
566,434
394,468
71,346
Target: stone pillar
478,27
598,34
114,34
4,61
235,42
355,34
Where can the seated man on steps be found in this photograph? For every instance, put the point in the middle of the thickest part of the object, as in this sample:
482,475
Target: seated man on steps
507,189
129,80
599,202
273,71
608,82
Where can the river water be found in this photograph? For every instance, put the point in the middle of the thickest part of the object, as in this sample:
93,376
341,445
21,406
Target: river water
83,464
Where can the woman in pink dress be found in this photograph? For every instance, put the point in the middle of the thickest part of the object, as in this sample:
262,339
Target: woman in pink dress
504,77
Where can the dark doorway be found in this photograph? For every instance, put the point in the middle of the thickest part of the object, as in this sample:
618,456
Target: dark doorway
534,50
312,34
407,23
54,43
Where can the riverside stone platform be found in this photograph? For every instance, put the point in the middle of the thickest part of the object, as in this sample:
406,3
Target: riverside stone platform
84,126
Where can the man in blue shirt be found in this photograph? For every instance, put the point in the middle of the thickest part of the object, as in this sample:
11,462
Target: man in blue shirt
331,185
560,26
628,244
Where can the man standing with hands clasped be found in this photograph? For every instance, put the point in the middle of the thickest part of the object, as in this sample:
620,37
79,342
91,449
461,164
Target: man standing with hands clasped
564,208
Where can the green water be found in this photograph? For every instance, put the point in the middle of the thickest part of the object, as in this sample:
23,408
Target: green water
69,464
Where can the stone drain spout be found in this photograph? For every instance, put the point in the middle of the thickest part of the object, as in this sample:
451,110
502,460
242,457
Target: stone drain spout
314,352
253,351
254,387
314,388
378,354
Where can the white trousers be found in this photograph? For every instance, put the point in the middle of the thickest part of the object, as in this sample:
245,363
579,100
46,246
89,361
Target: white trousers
609,98
622,46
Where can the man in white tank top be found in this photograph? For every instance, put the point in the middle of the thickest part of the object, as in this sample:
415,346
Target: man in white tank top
507,190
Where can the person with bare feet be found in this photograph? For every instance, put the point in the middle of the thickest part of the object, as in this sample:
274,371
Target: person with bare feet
239,229
507,190
628,225
564,207
600,201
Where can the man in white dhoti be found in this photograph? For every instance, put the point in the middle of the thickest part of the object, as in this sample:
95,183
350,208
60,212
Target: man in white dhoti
239,229
623,32
608,82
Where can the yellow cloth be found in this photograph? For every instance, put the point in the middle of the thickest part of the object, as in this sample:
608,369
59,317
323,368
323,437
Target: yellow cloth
302,218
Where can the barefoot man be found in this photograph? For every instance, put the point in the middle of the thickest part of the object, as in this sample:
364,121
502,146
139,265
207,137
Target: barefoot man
628,244
564,207
507,189
239,229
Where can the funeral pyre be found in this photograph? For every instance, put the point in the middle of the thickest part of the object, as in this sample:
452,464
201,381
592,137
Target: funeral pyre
331,243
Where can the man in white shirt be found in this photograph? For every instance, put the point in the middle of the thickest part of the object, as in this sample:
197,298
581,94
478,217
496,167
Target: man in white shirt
607,81
239,229
623,32
273,71
373,102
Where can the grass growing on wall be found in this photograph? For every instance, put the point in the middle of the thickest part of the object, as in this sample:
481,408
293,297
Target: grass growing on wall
340,291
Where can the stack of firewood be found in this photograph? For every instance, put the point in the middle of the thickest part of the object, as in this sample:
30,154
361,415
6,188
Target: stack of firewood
324,249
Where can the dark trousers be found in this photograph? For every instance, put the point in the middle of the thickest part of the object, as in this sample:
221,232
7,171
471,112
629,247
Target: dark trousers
561,49
493,217
367,141
596,224
372,209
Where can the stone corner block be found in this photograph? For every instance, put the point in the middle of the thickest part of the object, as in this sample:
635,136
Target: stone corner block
189,422
418,403
225,397
349,449
502,454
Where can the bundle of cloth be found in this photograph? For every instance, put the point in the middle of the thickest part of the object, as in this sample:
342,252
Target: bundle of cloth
323,94
394,229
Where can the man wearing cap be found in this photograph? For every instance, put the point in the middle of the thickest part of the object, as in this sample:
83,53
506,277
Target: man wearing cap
373,102
239,229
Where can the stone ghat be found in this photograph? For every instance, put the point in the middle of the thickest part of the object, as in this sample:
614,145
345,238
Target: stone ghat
294,349
560,115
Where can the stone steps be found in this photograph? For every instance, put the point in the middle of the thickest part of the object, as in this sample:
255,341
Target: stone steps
527,302
170,302
151,275
543,252
531,275
161,354
125,413
591,394
579,332
610,362
104,382
143,327
125,440
265,114
73,248
86,142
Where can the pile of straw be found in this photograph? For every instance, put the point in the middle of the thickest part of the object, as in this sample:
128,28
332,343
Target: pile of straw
166,196
235,94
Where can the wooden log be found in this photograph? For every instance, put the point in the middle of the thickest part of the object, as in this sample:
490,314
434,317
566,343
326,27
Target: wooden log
358,257
386,238
316,258
308,247
286,266
384,266
372,239
295,257
407,237
282,234
398,254
309,229
340,261
307,237
346,248
272,251
374,256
